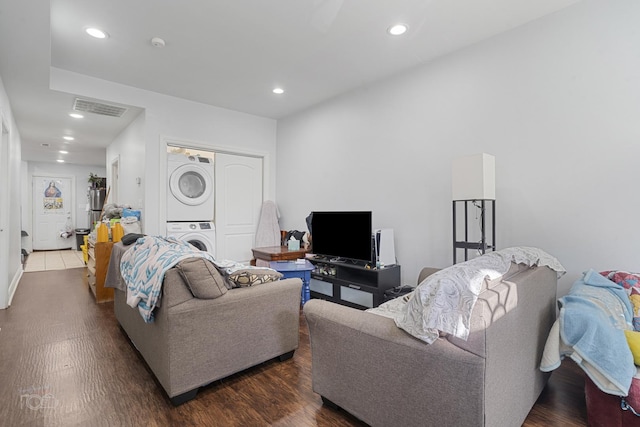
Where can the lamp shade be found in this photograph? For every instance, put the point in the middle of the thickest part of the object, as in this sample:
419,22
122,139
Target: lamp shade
474,177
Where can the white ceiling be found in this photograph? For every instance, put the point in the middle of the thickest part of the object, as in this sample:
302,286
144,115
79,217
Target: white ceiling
225,53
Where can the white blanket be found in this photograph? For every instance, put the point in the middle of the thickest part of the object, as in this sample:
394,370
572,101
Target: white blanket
443,302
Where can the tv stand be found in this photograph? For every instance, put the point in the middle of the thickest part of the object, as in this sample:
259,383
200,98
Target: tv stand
349,284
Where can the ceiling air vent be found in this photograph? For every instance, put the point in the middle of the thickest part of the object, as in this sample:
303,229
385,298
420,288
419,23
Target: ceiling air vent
98,108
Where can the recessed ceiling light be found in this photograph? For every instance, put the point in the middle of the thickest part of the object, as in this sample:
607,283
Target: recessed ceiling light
278,91
63,152
96,32
397,29
157,42
76,115
68,138
60,161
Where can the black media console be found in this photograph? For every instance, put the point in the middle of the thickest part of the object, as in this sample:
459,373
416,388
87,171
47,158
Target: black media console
352,285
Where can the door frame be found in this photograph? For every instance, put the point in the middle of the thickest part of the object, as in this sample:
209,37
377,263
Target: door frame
5,223
204,146
115,176
73,200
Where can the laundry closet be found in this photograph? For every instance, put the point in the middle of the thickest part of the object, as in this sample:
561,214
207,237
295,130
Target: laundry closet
213,200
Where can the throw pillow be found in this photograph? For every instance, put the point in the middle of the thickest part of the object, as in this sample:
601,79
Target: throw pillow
130,238
202,278
253,276
633,339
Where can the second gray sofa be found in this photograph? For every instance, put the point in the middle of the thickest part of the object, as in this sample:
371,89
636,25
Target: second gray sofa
366,365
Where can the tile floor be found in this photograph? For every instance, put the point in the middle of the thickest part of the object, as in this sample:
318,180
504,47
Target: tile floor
53,260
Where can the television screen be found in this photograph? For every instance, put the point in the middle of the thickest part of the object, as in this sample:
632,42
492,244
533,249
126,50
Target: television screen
342,234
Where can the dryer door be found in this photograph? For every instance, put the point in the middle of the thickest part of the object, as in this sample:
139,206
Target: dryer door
191,184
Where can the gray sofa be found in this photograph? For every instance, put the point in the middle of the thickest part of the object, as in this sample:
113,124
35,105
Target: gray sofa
193,342
364,364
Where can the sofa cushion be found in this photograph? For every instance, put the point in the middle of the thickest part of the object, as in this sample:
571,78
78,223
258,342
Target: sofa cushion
253,276
202,278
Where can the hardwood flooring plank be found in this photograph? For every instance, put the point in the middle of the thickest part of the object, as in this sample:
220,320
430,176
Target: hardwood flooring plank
64,361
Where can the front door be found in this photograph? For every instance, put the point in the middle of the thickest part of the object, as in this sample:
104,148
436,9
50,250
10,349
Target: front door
53,203
238,192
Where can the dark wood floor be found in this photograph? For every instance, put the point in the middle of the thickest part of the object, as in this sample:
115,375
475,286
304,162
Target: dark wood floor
65,361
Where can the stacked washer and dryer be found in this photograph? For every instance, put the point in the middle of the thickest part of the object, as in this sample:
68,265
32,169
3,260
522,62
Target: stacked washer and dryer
190,200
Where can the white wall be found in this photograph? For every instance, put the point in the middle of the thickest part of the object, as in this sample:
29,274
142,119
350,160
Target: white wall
556,101
175,119
128,150
10,249
81,176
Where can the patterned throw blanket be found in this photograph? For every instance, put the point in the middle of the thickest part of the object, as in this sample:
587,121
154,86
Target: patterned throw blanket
444,301
143,267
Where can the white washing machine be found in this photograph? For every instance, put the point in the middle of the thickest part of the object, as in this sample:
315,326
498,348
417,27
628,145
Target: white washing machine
190,192
202,235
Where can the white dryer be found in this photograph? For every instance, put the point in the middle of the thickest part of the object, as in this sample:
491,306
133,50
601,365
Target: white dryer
202,235
190,192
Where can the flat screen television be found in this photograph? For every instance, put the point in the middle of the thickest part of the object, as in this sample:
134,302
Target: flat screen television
342,234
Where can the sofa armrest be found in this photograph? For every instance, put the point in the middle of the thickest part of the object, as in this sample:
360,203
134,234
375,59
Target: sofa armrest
364,362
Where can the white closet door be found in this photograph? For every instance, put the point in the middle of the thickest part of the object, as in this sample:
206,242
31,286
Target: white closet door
238,190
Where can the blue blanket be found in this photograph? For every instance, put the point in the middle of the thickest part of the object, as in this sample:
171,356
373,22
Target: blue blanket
593,317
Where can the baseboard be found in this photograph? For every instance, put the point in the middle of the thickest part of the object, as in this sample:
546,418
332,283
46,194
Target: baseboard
14,284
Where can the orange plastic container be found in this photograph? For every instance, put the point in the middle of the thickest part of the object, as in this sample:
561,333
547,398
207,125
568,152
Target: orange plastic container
117,232
102,234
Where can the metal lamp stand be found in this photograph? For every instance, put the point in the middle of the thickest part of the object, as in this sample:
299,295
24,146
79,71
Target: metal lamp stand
483,245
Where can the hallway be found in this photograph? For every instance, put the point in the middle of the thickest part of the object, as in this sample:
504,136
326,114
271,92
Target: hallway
53,260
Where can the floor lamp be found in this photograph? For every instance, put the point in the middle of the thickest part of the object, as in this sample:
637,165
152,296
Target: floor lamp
474,182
